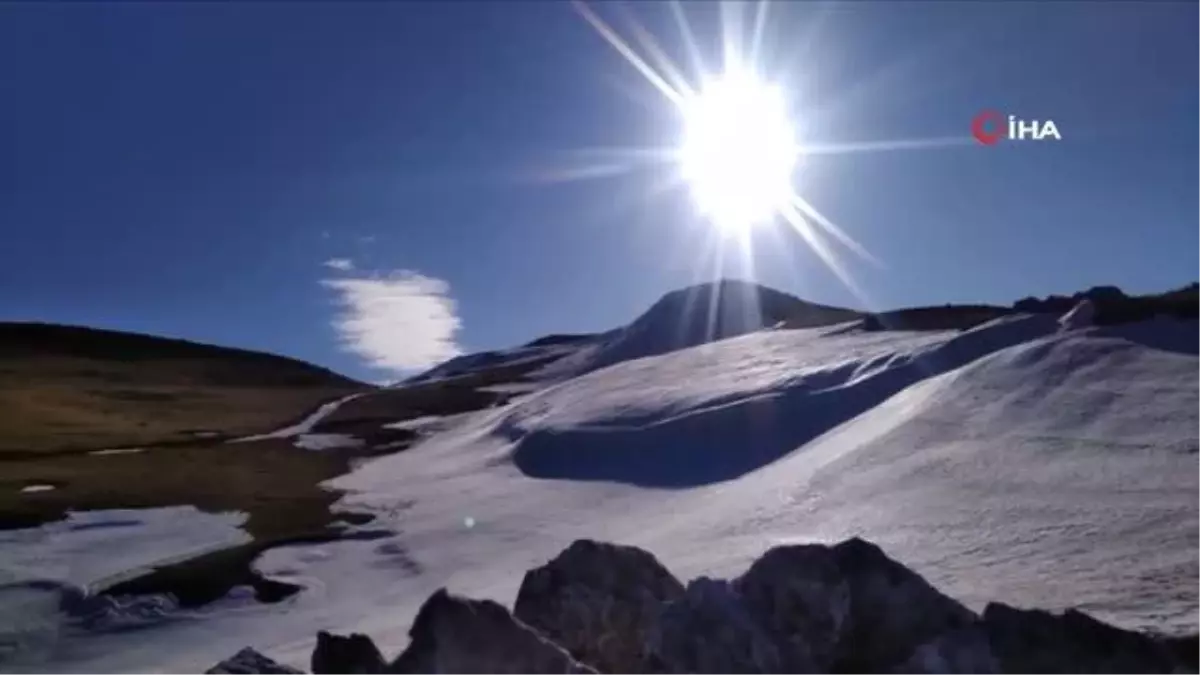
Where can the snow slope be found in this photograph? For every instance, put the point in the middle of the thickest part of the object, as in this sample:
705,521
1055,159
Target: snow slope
1015,461
705,415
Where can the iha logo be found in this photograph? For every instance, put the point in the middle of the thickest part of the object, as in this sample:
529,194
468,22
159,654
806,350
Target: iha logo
990,127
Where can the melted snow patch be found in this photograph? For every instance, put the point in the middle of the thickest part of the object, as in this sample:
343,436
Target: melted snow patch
37,487
415,423
327,441
94,547
1080,316
305,425
50,575
117,451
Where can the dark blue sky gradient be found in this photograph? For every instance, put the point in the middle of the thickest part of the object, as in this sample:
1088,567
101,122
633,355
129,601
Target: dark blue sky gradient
184,168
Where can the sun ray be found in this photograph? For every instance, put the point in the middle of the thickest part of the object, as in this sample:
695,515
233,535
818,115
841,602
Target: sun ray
780,245
714,289
732,34
610,36
827,256
760,27
668,68
689,38
884,146
576,173
644,153
700,275
810,212
753,309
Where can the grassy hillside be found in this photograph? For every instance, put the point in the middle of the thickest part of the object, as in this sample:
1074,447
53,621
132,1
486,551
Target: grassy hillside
66,388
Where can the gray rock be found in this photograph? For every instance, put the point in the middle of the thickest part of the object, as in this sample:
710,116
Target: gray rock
965,650
846,608
1027,641
457,635
801,596
599,601
812,608
354,653
893,610
708,630
249,661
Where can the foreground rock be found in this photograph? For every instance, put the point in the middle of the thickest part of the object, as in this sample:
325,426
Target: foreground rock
710,630
250,661
1034,641
457,635
599,601
601,607
354,653
846,608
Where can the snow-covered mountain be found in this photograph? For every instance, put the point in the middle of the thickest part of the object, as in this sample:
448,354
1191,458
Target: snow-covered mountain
1041,463
684,318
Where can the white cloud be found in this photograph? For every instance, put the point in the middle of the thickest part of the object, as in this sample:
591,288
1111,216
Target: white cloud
340,264
402,322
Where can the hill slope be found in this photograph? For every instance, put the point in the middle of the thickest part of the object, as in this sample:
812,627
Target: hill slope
1012,457
74,388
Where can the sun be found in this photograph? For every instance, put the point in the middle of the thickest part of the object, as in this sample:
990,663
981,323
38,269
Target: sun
738,150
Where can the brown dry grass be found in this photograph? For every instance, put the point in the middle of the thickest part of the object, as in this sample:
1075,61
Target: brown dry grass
276,484
68,389
272,481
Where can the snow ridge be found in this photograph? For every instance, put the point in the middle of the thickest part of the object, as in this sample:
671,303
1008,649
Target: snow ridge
707,441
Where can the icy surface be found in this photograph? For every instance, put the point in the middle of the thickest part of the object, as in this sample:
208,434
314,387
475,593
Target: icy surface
90,547
429,424
37,487
1080,316
1012,462
326,441
117,451
416,423
305,425
48,575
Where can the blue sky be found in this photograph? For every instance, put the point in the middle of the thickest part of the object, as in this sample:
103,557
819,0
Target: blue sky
187,169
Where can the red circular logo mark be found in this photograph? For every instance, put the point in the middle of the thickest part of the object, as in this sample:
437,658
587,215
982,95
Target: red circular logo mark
987,127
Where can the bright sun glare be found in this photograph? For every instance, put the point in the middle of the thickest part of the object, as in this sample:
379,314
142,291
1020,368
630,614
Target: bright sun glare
738,150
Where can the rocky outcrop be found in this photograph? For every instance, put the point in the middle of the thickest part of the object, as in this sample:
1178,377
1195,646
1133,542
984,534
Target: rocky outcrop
710,630
457,635
965,650
893,610
800,596
599,601
354,653
250,661
601,607
846,608
1034,641
1111,306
